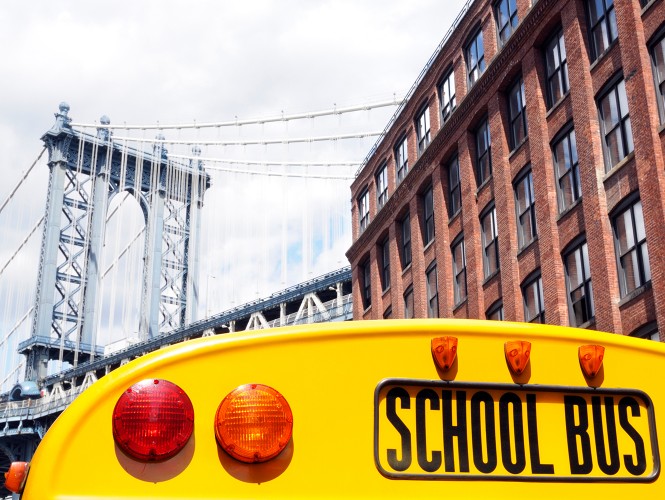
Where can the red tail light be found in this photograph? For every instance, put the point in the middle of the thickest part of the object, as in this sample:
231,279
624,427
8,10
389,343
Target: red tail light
16,475
153,420
253,423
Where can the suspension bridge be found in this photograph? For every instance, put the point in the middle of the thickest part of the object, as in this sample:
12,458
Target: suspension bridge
152,234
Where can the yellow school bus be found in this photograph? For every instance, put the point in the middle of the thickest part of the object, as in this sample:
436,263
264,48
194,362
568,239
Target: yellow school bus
377,409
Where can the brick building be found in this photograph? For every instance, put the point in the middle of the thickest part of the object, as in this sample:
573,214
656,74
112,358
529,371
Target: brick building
523,179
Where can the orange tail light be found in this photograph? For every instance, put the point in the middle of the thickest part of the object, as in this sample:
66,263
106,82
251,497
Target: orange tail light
591,359
16,475
444,351
253,423
517,355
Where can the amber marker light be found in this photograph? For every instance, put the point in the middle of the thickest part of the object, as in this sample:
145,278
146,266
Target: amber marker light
153,420
16,475
591,359
444,351
517,355
253,423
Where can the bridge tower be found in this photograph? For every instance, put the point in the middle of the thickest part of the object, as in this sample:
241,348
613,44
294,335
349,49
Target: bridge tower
86,171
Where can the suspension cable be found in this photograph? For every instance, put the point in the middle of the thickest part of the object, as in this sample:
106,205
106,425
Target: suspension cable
25,174
253,142
39,223
268,163
260,121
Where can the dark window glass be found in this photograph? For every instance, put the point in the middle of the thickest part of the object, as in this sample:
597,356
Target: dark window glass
490,239
366,284
534,304
475,58
447,96
517,112
567,171
408,303
505,12
602,25
459,271
401,160
631,246
557,69
495,312
423,130
658,66
432,293
363,210
483,153
526,211
428,226
385,264
382,186
454,188
615,125
406,241
578,283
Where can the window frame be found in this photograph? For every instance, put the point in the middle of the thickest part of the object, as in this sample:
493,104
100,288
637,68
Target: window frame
432,294
613,90
638,252
556,42
572,171
401,153
381,179
535,279
460,291
385,264
528,212
491,245
446,108
366,285
579,247
423,129
517,117
405,247
604,21
363,210
474,71
409,303
428,216
486,154
510,25
496,307
659,76
454,189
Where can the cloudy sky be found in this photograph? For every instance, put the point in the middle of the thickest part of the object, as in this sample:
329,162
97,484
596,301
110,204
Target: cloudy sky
149,62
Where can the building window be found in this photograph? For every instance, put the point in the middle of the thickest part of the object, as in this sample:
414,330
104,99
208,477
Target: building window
483,153
578,284
475,58
631,247
428,220
459,271
432,292
648,332
525,208
406,241
615,125
517,111
382,186
658,64
602,25
408,303
495,312
567,170
422,130
556,66
454,188
385,264
388,313
534,304
363,210
505,12
447,101
401,160
490,240
366,284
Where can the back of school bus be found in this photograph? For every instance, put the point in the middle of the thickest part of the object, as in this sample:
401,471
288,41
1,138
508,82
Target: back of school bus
384,409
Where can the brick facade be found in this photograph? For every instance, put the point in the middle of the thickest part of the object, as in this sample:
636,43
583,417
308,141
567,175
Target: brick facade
587,227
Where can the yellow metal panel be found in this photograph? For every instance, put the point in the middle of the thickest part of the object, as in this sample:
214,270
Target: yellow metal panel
329,374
